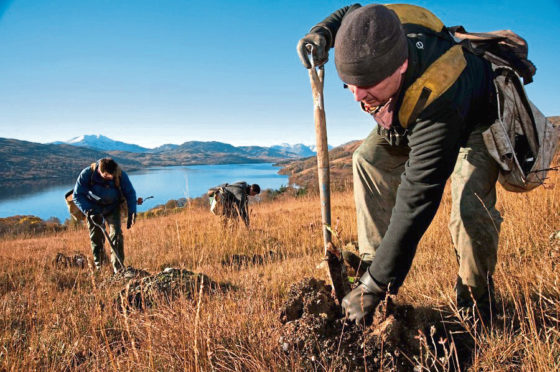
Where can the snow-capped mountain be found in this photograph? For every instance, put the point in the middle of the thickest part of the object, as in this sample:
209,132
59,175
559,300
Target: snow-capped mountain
103,143
314,148
100,142
299,149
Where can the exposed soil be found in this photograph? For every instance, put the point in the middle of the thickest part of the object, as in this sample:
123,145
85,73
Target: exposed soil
240,261
77,259
122,277
313,327
145,290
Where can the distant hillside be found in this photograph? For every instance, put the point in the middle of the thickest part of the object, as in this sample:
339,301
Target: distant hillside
29,164
298,149
197,152
242,153
36,165
166,147
100,142
303,172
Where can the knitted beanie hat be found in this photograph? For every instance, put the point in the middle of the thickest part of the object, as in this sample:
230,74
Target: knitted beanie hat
370,45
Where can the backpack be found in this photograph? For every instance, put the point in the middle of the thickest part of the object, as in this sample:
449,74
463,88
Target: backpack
217,198
75,212
521,140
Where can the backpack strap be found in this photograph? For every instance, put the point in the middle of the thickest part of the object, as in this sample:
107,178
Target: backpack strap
502,48
416,15
440,75
434,82
118,175
93,168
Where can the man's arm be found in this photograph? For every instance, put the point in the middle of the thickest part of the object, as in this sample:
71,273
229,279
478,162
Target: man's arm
215,189
244,209
81,189
321,38
128,192
434,141
332,23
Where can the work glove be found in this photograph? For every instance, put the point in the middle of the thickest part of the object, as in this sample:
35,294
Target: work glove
316,44
359,305
130,220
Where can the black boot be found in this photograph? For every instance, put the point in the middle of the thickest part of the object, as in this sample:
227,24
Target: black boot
476,305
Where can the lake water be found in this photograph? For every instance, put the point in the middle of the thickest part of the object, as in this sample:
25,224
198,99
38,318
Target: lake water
164,183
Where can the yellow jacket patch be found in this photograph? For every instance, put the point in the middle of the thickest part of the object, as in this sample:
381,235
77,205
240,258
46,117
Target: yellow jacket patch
417,15
435,81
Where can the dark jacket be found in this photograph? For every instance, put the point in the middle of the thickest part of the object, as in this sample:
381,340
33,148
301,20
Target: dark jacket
234,198
92,192
434,139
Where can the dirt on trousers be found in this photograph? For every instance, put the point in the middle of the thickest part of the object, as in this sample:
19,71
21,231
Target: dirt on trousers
314,328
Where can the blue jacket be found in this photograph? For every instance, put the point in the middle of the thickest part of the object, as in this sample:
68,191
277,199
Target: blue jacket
92,192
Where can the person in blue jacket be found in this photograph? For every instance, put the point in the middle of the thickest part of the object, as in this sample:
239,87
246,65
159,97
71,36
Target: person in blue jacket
101,192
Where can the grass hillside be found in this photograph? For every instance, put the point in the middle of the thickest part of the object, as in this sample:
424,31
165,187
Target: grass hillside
303,172
64,319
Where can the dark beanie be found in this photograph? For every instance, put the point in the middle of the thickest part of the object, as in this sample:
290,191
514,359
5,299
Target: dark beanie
370,45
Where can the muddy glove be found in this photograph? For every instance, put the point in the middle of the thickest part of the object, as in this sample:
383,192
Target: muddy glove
130,220
316,43
359,305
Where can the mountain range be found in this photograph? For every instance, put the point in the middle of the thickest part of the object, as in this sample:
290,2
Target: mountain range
28,164
103,143
100,142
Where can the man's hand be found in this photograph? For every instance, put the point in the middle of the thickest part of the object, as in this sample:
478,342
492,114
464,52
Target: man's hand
130,220
139,201
359,305
313,43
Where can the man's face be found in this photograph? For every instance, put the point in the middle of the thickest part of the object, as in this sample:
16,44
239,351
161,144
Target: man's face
380,93
105,175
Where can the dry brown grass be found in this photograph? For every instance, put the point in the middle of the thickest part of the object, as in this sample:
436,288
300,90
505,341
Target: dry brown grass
64,320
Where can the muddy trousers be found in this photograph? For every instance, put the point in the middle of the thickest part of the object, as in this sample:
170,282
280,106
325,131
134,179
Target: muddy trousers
474,224
97,239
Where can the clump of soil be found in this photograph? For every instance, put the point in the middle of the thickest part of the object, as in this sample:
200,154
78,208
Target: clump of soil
240,261
166,285
124,276
314,328
62,261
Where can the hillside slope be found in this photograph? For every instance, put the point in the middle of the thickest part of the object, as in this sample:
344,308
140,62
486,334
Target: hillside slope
29,163
303,172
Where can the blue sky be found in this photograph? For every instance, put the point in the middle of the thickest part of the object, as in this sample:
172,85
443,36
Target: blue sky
155,72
